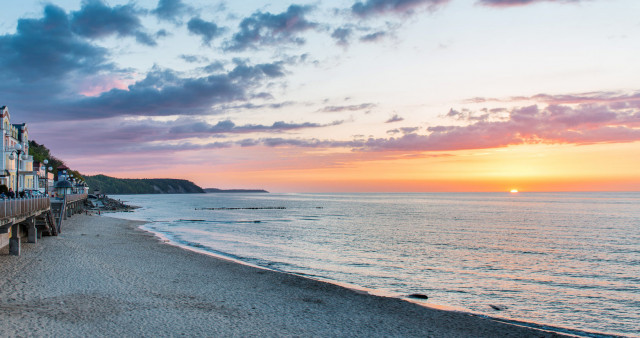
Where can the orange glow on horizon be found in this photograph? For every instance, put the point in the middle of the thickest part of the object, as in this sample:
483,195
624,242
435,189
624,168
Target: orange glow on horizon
599,167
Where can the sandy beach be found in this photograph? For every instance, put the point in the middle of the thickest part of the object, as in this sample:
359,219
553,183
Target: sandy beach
104,277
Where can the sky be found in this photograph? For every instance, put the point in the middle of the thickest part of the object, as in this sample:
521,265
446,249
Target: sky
333,96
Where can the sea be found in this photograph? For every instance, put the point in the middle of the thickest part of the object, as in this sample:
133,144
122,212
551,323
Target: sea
565,261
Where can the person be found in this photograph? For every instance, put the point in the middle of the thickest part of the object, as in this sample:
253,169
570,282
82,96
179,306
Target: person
2,195
11,193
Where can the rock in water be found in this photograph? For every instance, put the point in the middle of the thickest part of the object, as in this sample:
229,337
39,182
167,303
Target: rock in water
418,296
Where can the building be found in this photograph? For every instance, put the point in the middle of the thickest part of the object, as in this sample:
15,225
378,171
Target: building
45,178
15,146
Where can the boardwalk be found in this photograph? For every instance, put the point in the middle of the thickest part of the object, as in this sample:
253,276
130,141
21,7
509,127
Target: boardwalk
34,217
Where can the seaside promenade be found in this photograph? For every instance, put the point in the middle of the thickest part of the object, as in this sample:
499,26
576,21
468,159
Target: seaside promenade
32,217
103,276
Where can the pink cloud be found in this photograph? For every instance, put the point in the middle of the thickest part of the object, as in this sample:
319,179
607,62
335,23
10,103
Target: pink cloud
582,124
94,86
609,119
511,3
617,99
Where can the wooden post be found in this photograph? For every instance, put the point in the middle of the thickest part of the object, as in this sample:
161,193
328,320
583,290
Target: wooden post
32,231
14,242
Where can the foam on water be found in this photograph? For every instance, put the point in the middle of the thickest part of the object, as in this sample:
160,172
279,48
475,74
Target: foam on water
563,259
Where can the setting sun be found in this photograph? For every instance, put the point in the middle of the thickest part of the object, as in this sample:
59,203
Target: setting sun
514,191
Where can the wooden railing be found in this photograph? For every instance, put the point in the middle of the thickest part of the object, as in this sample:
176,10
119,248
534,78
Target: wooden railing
75,197
10,208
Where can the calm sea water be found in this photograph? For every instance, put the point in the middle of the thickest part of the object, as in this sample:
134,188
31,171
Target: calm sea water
564,259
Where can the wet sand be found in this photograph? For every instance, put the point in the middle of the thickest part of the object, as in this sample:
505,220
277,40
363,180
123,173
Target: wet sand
104,277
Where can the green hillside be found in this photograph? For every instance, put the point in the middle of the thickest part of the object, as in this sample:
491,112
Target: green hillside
40,153
123,186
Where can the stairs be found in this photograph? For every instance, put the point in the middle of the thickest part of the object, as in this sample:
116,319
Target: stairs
46,224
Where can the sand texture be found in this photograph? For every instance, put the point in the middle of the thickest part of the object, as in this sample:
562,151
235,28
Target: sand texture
104,277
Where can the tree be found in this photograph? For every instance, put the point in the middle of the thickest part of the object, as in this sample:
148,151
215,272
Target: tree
40,153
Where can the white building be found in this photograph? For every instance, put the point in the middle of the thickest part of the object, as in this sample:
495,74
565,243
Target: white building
15,145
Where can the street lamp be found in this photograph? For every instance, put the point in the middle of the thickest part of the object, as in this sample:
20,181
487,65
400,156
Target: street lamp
17,150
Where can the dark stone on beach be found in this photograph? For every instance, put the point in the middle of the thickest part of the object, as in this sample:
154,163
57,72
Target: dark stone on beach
418,296
105,203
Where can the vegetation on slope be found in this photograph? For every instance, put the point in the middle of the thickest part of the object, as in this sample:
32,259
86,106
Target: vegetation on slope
118,186
41,153
112,185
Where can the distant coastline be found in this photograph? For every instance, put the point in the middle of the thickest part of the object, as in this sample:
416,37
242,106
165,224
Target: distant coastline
126,186
217,191
103,184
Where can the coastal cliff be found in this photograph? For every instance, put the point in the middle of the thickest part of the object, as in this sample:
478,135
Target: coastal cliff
122,186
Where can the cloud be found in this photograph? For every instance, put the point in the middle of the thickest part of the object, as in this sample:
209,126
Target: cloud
47,48
342,35
171,10
405,130
165,92
599,97
163,33
394,118
611,98
228,127
118,135
409,130
403,7
97,20
253,106
265,29
194,58
207,30
511,3
310,143
553,124
337,109
373,37
469,115
243,70
213,67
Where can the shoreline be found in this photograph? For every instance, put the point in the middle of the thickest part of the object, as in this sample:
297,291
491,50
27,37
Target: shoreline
376,293
106,276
